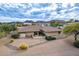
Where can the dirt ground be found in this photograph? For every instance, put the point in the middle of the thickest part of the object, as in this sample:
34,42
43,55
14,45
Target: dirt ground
60,47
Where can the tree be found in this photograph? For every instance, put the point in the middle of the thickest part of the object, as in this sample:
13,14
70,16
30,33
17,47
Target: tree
7,27
70,21
56,23
71,28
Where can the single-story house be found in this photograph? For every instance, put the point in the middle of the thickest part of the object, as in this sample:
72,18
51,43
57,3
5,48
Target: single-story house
31,30
50,31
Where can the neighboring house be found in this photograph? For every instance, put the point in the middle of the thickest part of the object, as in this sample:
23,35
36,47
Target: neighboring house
31,30
27,24
60,21
41,23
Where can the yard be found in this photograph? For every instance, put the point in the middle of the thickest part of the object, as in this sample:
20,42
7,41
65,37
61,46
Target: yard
40,47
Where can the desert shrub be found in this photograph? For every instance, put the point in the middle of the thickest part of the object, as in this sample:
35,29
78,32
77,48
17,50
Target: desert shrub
7,27
11,41
15,35
71,28
76,44
23,46
49,38
2,34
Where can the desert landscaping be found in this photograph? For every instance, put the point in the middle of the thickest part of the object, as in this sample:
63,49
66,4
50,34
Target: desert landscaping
60,47
33,42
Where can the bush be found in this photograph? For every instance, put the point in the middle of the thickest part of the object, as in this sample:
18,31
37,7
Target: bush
14,34
11,41
76,44
23,46
7,27
2,34
49,38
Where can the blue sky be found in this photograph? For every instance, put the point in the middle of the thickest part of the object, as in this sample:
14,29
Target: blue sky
38,11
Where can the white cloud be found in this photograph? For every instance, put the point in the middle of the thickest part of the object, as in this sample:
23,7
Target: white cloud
63,11
9,19
70,15
66,4
50,10
53,6
39,1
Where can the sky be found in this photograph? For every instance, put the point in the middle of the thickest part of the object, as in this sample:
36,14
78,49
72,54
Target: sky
38,11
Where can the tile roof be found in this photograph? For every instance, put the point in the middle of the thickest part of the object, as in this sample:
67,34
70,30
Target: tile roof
37,28
50,29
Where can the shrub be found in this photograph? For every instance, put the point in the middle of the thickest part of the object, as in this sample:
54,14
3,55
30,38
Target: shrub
76,44
11,41
15,35
23,46
7,27
49,38
2,34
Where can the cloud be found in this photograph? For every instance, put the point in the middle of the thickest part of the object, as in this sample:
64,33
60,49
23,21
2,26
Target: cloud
40,5
38,11
9,19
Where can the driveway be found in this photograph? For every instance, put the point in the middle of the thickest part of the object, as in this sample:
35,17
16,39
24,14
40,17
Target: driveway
61,47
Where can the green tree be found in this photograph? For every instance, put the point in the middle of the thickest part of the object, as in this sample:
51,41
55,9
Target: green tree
7,27
71,28
18,24
70,21
55,23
